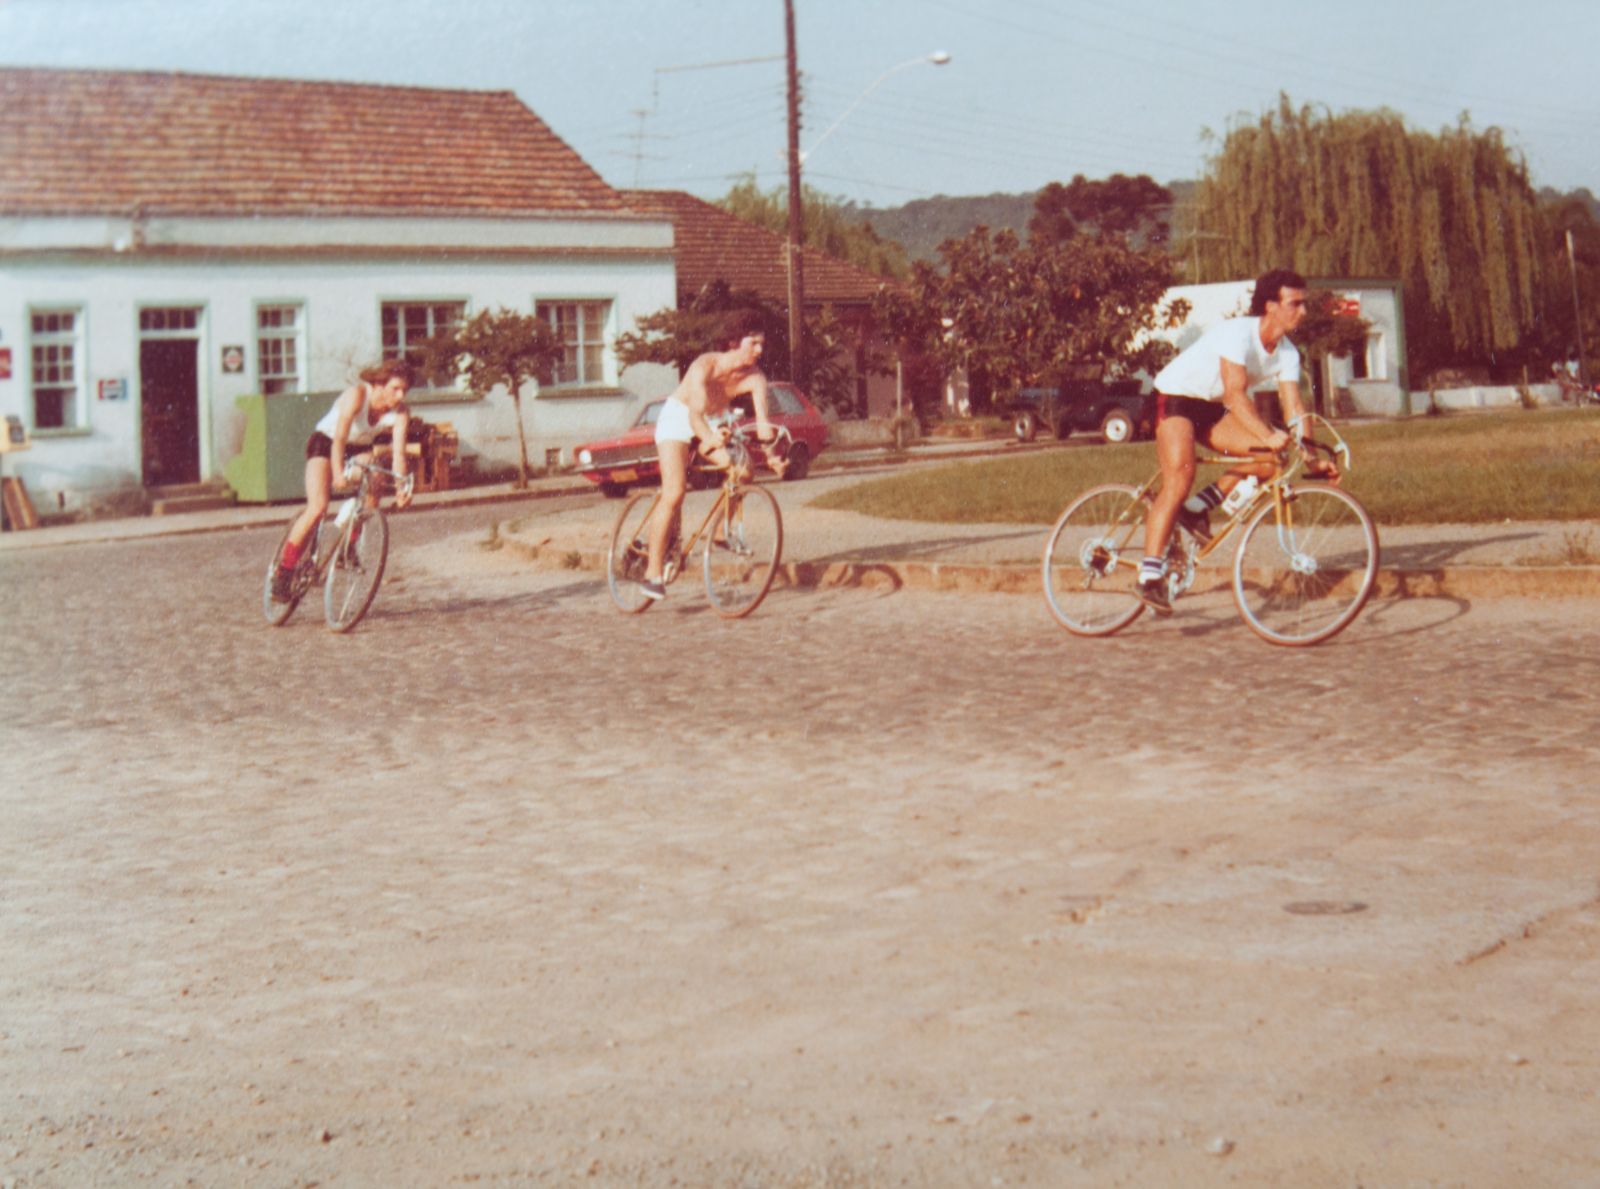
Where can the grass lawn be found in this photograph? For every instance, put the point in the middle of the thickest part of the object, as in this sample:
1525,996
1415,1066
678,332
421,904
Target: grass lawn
1463,468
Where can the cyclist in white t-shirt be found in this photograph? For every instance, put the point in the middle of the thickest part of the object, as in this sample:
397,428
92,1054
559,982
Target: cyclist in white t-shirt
1204,396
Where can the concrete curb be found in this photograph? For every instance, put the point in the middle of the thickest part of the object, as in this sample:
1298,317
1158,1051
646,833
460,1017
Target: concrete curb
1444,582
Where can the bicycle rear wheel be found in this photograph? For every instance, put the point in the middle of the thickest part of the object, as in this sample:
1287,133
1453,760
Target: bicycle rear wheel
741,558
276,613
1091,561
355,570
1303,581
629,554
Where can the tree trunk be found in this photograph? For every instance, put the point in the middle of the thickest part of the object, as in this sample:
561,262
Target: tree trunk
522,443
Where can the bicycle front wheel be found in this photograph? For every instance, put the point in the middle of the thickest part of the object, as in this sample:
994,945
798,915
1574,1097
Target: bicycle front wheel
356,568
1091,561
629,554
1302,580
741,558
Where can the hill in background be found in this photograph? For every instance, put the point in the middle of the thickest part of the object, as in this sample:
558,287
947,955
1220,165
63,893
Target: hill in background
922,224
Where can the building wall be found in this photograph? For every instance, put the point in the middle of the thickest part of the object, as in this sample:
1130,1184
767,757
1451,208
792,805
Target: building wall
1381,393
341,299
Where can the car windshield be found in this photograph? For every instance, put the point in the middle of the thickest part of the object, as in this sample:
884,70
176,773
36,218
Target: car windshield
651,413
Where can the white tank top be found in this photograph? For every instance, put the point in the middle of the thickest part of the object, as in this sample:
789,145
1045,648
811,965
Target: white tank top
362,429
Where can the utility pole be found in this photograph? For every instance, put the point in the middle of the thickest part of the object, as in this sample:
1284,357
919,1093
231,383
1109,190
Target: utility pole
797,283
1577,315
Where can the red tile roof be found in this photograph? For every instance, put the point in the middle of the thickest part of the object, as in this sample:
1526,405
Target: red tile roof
89,142
714,245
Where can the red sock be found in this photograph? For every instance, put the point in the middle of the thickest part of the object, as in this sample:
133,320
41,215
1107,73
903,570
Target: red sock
290,555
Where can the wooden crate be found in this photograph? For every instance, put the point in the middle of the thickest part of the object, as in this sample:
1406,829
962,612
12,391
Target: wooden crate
19,510
434,456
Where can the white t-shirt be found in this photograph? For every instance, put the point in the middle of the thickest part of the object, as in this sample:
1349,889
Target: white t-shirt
1197,371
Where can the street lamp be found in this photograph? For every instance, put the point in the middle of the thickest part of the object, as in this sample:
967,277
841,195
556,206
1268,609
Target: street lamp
937,58
797,285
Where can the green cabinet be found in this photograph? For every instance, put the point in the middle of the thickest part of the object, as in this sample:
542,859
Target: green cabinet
270,467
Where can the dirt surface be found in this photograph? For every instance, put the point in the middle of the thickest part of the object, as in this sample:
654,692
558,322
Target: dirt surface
871,889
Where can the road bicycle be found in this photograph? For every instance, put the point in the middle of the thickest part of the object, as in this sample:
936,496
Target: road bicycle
742,533
346,553
1306,562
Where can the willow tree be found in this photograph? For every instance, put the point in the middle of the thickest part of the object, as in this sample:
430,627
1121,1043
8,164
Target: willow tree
1362,195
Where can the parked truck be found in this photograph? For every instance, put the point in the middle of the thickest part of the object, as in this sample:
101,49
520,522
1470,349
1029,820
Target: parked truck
1115,409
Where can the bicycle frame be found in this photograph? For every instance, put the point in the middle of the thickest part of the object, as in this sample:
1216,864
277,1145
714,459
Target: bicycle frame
1274,488
681,548
740,540
345,519
330,540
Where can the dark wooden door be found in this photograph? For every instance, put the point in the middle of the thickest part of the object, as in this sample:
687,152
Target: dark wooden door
169,393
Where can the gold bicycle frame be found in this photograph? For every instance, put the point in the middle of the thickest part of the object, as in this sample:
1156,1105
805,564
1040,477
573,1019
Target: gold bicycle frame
1273,488
739,460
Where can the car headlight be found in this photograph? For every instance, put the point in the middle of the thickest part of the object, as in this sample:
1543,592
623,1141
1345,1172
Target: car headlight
584,458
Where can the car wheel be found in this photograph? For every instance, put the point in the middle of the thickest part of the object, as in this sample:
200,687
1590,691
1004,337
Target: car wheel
613,491
1026,426
799,462
1117,427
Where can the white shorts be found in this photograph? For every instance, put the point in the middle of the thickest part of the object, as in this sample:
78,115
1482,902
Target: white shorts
673,424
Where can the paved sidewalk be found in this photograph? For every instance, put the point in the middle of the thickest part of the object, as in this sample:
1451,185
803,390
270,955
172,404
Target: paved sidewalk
828,548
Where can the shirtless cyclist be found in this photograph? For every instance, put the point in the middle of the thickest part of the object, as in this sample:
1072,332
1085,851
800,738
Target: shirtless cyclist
708,387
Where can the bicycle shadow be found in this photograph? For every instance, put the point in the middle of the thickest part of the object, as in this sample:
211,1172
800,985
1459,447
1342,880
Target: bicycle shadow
929,548
1384,618
408,604
1434,555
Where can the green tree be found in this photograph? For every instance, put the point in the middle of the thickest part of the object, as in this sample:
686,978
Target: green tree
1014,313
499,349
1120,205
676,337
1361,194
830,225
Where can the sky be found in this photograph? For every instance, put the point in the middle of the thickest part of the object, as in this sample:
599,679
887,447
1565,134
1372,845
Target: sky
674,94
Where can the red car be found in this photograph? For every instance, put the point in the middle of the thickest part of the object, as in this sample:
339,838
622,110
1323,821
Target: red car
617,463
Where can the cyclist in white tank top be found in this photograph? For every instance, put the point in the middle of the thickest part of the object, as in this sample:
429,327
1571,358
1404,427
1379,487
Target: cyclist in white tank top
363,411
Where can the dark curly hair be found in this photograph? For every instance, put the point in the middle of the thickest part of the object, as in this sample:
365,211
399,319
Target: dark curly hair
1270,286
389,369
739,325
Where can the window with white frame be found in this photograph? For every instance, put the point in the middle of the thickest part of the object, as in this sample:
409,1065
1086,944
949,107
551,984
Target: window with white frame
581,327
169,321
280,347
408,324
56,342
1370,361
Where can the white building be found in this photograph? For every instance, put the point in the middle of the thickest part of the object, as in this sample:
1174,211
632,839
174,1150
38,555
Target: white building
170,243
1372,382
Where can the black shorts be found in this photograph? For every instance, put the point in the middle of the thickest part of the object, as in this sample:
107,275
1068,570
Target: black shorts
1202,414
319,445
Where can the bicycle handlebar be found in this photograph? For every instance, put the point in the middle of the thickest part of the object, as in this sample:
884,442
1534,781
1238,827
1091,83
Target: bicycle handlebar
1338,453
740,436
405,483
